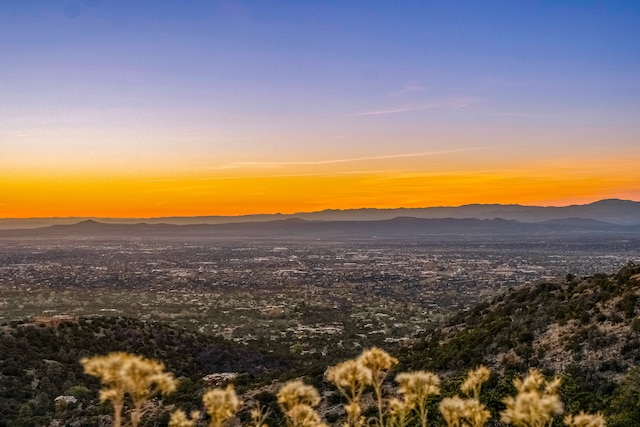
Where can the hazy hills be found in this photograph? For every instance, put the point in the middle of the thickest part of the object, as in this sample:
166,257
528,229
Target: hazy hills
607,216
613,211
402,227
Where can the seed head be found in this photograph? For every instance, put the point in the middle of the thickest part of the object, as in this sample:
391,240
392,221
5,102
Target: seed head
304,416
585,420
552,386
452,410
474,380
535,404
354,411
221,404
377,360
398,407
533,381
130,373
296,393
143,375
458,412
417,386
180,419
475,413
350,374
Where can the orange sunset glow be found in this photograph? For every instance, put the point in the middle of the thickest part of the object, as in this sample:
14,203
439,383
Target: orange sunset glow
290,191
167,113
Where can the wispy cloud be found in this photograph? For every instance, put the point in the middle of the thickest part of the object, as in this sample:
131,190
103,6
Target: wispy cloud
365,172
441,104
498,114
344,160
290,175
408,90
391,111
461,106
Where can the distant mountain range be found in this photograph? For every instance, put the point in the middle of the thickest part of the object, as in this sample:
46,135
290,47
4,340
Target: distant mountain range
605,216
402,227
613,211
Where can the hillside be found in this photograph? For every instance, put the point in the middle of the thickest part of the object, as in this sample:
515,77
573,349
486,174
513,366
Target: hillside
38,364
585,329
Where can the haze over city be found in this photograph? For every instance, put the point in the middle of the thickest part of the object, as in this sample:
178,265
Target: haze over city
149,109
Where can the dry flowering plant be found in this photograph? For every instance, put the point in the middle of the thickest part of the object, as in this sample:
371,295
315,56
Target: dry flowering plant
127,374
180,419
259,416
537,403
351,378
379,362
416,388
585,420
297,401
459,412
221,404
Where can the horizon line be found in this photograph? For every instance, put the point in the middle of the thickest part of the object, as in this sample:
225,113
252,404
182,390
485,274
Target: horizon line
85,217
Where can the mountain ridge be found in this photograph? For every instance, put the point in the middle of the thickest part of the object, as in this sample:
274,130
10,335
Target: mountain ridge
399,227
615,211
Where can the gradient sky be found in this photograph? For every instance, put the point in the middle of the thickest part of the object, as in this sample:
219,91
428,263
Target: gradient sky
114,108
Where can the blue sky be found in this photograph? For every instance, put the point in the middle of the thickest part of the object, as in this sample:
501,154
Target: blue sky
169,86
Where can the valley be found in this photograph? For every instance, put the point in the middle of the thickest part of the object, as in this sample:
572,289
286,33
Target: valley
296,294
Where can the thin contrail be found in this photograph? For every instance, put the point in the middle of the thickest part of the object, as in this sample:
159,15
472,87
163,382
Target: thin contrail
348,160
395,111
442,104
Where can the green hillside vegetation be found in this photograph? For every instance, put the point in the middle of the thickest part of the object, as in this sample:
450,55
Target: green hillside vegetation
583,330
38,364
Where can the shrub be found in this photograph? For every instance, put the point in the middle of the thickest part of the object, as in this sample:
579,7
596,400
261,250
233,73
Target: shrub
536,404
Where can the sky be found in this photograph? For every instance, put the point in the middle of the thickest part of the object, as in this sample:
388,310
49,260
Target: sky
118,108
